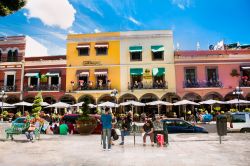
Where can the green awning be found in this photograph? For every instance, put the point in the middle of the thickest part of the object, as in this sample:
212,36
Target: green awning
158,48
158,71
52,74
135,49
136,71
32,75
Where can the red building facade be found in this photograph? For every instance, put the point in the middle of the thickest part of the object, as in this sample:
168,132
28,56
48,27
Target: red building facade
212,74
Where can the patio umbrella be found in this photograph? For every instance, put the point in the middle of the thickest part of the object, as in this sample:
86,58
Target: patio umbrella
132,104
212,102
23,103
92,105
108,104
44,104
236,101
77,104
185,102
5,105
59,105
158,103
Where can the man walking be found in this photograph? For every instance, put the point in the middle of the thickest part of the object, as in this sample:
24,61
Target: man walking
106,120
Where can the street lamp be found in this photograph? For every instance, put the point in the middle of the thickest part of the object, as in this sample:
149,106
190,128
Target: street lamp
114,93
2,93
238,91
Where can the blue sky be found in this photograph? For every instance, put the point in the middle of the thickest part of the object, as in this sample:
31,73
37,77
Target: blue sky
192,21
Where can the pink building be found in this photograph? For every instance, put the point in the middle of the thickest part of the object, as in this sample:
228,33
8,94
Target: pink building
212,74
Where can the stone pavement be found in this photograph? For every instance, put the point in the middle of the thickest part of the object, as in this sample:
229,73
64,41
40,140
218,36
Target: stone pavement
76,150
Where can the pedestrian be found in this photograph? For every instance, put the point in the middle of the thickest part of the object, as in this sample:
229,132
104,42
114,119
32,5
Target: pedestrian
106,120
63,129
125,128
160,129
148,129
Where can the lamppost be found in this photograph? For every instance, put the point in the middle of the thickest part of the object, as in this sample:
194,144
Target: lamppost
2,93
238,91
114,93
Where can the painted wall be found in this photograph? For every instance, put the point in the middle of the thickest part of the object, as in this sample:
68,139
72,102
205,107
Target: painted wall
110,61
146,39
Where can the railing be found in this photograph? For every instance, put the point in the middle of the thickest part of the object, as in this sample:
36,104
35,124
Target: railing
43,88
91,87
11,59
148,86
244,83
8,88
202,84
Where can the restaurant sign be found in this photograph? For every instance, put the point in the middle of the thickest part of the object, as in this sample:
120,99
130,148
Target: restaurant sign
91,63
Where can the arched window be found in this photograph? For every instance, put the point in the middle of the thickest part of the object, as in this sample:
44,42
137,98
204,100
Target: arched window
10,55
0,55
15,56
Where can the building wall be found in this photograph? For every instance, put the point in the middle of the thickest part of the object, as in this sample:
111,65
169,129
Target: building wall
110,61
146,39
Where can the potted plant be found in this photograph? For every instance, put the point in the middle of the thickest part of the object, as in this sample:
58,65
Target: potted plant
85,124
234,73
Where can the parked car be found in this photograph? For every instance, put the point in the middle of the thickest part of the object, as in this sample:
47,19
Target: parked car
71,118
240,122
175,125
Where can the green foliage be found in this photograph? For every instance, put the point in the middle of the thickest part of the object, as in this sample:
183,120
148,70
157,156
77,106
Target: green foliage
234,73
43,78
85,109
217,108
36,107
5,114
10,6
18,114
247,110
233,110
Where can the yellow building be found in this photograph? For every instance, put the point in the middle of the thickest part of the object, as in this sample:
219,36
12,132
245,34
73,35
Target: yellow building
92,66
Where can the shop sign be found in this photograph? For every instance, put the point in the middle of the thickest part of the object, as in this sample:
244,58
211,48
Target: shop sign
147,74
91,63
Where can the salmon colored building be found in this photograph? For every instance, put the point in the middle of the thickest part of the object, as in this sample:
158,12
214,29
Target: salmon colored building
212,74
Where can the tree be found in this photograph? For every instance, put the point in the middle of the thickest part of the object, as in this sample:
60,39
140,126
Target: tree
36,107
10,6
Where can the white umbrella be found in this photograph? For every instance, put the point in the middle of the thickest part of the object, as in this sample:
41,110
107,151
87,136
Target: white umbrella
211,102
77,104
133,103
5,105
92,105
108,104
59,105
158,103
23,103
44,104
185,102
236,101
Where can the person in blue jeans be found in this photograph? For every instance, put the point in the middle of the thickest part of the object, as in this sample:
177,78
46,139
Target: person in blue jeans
106,120
125,128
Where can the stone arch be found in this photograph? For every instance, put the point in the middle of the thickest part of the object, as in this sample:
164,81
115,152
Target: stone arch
12,99
148,97
192,97
29,99
126,97
81,98
106,97
231,96
49,99
213,95
68,99
170,97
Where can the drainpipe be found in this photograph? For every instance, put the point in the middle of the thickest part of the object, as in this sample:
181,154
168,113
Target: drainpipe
22,77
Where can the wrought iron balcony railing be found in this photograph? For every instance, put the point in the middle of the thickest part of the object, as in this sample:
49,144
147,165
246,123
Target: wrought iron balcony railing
43,88
148,86
202,84
8,88
244,83
91,87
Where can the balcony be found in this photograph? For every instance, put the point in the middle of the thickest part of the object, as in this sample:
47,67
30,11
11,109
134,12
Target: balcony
202,84
8,88
244,83
140,85
43,88
91,87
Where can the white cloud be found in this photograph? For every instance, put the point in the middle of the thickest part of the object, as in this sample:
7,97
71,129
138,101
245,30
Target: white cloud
52,12
182,4
34,48
134,20
97,30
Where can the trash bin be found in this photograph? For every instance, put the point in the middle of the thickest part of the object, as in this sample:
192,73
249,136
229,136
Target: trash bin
221,124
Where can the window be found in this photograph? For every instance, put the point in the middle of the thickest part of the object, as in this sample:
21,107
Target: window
12,56
190,78
238,118
101,50
33,81
83,51
169,123
212,74
157,55
135,56
10,80
0,56
182,124
54,80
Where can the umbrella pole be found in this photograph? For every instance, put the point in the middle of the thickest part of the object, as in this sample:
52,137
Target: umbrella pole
133,123
23,109
185,112
158,109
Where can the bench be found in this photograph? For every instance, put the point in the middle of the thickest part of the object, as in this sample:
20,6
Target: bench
17,130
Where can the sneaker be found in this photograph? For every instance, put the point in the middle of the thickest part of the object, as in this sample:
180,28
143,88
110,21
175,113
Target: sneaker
109,149
122,143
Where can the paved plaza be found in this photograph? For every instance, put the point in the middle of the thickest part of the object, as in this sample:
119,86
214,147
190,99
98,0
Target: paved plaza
184,149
